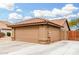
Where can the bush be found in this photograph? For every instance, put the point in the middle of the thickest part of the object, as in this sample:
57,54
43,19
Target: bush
8,34
2,34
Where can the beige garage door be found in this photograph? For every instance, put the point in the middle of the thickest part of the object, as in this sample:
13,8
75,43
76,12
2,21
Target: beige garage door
54,34
28,34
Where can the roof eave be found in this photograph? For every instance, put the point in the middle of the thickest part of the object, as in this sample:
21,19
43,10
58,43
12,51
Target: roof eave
20,25
68,25
38,23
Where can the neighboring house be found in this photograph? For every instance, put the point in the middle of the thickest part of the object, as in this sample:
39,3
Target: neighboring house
37,30
4,27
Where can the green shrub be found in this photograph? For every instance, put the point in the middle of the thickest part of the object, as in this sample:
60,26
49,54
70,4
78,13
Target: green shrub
8,34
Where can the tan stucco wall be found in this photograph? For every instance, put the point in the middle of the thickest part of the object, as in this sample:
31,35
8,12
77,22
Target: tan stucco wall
43,34
64,35
54,33
65,27
64,30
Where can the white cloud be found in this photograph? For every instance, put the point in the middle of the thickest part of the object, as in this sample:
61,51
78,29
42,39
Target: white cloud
27,17
56,11
68,17
77,14
71,15
8,6
18,10
41,13
60,12
38,13
64,11
46,13
15,16
69,7
53,13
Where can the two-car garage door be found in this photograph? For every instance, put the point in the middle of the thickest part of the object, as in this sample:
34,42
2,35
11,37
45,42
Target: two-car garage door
27,34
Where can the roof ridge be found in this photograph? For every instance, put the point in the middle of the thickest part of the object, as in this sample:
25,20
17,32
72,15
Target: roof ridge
32,19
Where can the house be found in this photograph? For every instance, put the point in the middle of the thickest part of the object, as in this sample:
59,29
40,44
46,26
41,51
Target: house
63,22
4,28
37,30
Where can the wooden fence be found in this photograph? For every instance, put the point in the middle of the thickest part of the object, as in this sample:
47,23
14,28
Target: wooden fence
73,35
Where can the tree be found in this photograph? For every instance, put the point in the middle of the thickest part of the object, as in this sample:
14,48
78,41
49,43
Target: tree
74,22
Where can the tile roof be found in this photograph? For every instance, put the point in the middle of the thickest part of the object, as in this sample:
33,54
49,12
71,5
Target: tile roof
32,20
35,21
4,25
61,22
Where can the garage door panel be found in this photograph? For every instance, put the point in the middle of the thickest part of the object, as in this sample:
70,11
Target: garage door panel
54,34
28,34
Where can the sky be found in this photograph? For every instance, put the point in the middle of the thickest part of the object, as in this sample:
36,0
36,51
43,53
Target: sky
14,12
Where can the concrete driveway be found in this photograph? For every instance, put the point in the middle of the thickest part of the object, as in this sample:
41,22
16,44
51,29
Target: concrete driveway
24,48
